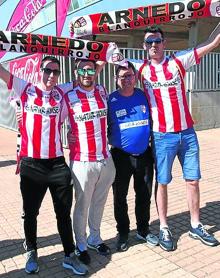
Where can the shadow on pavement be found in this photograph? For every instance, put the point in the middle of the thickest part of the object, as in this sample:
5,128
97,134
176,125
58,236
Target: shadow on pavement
7,163
179,224
52,264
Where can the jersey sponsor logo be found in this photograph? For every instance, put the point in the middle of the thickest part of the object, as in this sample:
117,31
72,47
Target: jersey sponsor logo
90,95
89,116
56,95
169,83
121,113
30,91
134,124
113,99
143,108
50,111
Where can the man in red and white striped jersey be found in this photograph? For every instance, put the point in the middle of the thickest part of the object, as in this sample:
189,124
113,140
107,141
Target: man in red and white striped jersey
42,162
92,166
173,135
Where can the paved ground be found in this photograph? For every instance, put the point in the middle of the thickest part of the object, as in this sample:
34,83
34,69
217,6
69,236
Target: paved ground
191,259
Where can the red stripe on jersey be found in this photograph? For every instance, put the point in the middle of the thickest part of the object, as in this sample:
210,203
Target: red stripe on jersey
188,116
89,125
196,56
52,135
23,130
160,109
159,101
74,147
182,72
9,85
140,71
38,100
52,141
103,121
180,68
153,75
175,109
37,131
168,75
173,98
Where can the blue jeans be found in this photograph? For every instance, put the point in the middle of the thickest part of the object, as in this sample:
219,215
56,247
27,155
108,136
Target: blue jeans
184,145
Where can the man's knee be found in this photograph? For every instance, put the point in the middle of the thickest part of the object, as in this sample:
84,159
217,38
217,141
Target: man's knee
194,183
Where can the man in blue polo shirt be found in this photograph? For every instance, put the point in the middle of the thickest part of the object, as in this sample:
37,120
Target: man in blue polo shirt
128,134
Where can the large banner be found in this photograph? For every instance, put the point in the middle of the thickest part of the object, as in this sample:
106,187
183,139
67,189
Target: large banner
142,16
23,14
62,7
27,67
50,45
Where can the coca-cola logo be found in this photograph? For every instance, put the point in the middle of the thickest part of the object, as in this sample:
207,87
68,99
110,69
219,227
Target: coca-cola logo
27,70
29,11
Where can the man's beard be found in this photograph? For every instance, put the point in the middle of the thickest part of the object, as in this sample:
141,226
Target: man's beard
87,83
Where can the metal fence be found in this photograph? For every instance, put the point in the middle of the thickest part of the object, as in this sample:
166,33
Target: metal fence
202,77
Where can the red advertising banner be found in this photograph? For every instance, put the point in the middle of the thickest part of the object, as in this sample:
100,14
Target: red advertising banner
23,14
62,7
142,16
50,45
27,67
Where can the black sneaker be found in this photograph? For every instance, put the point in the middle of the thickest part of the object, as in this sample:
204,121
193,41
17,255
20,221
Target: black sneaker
201,233
83,256
101,248
122,243
166,239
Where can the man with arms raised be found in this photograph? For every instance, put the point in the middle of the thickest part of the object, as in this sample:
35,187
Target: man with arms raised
173,133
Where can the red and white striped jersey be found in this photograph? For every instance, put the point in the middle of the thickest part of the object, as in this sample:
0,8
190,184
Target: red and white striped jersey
88,120
165,90
41,119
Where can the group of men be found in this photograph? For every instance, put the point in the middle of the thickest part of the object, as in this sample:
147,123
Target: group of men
122,120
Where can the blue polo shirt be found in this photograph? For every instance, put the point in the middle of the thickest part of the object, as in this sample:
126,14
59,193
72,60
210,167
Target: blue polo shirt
129,122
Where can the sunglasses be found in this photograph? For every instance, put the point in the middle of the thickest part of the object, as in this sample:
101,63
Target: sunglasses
150,41
48,71
125,77
83,72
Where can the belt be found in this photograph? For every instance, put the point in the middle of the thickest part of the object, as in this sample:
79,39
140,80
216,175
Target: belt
132,154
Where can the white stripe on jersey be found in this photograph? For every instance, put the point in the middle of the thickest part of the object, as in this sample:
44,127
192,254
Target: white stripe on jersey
29,129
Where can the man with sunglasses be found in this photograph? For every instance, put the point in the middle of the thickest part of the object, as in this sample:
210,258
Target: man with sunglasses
128,134
42,161
92,166
173,135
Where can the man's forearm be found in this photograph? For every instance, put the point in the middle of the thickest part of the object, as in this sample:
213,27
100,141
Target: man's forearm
212,42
